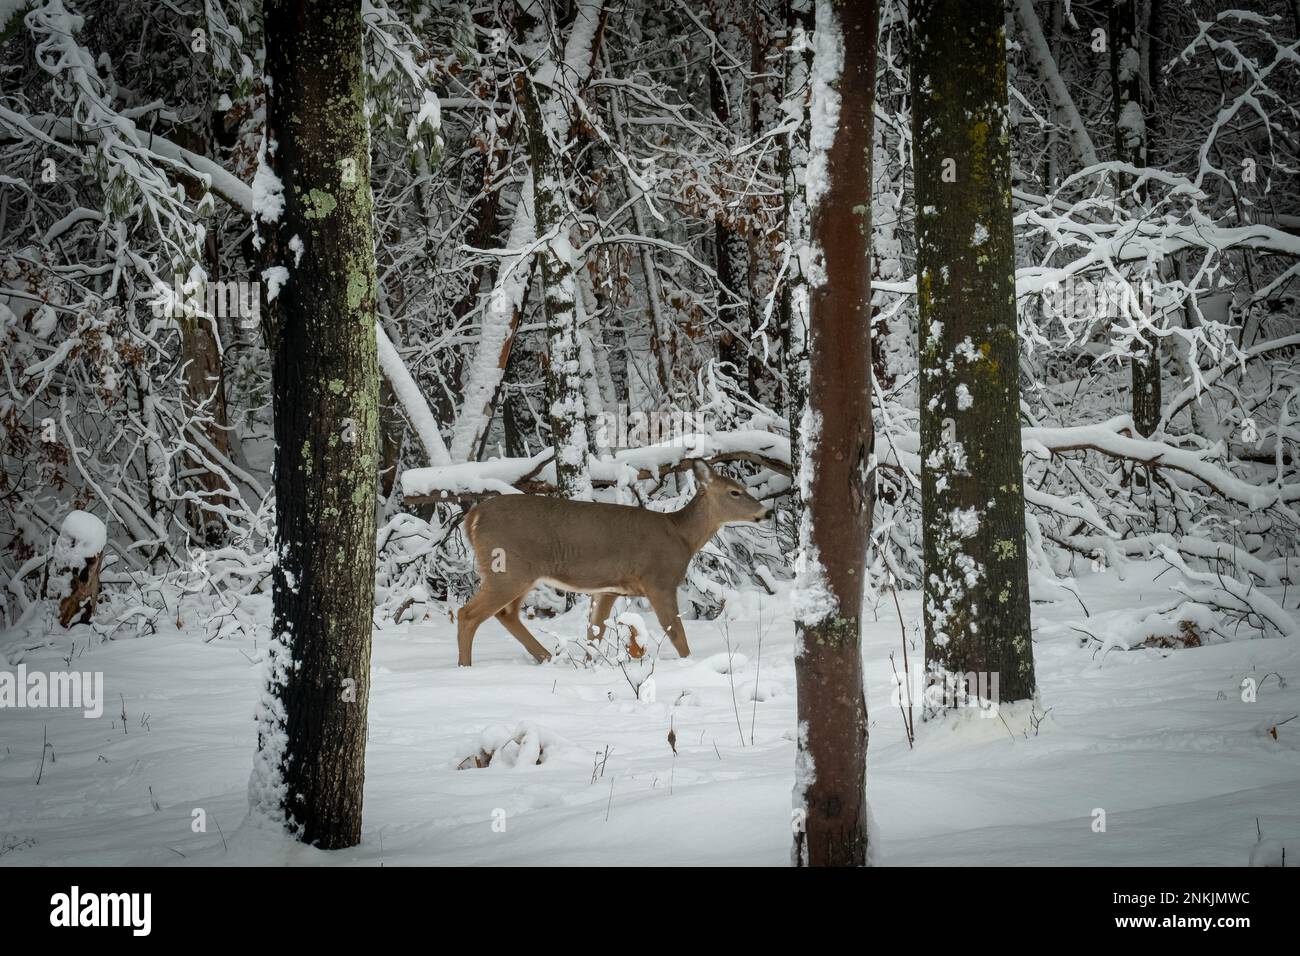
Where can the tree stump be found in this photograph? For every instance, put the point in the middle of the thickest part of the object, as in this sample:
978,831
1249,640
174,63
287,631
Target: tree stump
72,574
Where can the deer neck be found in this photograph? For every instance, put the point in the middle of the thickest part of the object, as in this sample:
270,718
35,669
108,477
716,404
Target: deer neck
696,523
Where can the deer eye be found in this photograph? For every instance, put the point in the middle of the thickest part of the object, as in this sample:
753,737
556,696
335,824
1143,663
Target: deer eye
735,493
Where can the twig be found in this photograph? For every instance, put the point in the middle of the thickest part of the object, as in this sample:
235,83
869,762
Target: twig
908,720
731,679
1004,724
901,709
45,745
1079,599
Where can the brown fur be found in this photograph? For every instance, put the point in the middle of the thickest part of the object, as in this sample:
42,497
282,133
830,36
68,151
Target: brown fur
602,549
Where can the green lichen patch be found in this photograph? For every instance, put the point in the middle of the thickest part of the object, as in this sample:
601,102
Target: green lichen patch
318,204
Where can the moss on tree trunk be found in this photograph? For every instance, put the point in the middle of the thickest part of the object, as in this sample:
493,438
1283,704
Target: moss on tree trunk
976,604
326,378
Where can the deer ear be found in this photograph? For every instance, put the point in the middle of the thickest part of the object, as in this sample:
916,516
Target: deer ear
703,474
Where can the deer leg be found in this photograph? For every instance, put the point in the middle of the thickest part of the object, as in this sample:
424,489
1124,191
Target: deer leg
491,598
509,617
665,605
601,604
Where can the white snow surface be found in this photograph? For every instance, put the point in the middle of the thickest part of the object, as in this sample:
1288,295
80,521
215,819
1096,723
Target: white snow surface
82,535
1159,739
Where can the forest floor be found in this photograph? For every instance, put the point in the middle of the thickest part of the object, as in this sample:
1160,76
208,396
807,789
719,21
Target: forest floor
1161,740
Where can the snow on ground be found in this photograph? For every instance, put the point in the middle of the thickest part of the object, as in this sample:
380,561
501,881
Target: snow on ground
1160,740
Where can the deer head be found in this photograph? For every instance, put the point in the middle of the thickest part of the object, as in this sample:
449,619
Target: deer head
723,501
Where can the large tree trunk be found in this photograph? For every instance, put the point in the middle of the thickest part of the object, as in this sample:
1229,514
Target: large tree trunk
1130,147
312,728
976,604
547,120
835,452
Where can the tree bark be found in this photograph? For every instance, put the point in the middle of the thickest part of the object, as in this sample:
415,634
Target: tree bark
500,322
312,727
730,248
794,164
976,601
661,333
1040,54
1129,117
204,376
835,467
764,105
547,120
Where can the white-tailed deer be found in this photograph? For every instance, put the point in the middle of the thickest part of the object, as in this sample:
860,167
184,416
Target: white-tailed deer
605,550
